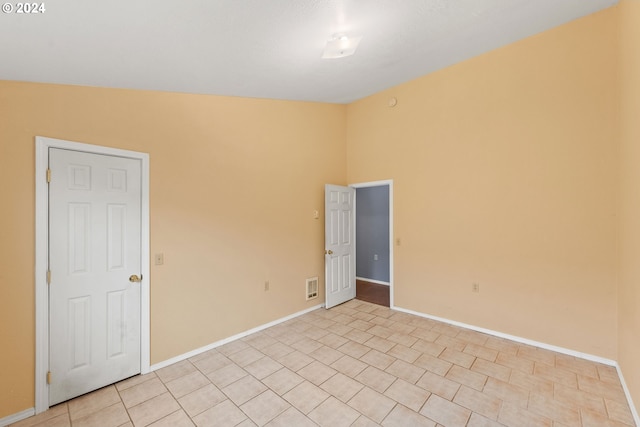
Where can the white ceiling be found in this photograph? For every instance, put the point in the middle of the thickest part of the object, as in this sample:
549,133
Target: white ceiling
263,48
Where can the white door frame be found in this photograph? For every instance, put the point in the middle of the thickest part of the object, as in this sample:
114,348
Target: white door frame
42,255
388,182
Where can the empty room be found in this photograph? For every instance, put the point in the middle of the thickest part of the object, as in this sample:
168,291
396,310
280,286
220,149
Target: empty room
182,183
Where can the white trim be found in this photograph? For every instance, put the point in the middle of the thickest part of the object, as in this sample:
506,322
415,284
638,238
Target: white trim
515,338
627,393
391,246
539,344
145,284
378,282
372,183
41,262
388,182
224,341
14,418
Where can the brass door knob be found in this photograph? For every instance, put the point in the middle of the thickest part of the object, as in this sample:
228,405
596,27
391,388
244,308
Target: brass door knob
328,252
134,278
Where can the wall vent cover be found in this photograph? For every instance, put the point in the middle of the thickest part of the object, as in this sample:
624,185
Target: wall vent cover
312,288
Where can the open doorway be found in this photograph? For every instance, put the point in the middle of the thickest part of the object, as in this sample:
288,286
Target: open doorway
374,248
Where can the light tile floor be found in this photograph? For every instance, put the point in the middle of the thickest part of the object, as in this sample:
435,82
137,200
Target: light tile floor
360,364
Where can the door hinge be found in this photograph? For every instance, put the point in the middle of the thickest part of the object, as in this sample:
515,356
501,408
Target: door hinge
48,175
49,377
48,277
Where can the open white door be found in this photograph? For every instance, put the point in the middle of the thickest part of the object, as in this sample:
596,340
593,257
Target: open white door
340,251
95,264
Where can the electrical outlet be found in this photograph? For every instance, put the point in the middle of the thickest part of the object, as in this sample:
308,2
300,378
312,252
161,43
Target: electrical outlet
159,259
266,285
375,257
475,287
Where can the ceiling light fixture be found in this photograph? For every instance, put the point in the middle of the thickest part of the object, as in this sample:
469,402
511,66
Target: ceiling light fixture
340,45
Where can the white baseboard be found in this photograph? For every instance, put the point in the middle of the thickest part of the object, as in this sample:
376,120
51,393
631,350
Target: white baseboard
17,417
224,341
634,411
31,411
539,344
378,282
515,338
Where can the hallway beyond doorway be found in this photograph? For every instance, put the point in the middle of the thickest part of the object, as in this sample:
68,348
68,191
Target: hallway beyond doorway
374,293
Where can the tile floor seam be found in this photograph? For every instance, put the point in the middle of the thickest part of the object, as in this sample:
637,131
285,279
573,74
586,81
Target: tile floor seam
184,409
167,416
121,401
392,356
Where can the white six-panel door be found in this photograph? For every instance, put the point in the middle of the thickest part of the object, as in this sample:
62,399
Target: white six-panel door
340,264
94,248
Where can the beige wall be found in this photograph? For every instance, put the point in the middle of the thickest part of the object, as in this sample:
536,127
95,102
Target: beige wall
234,183
504,171
629,290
